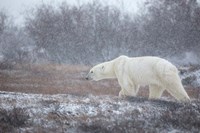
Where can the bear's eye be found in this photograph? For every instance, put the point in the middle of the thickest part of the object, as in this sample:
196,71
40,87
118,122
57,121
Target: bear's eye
91,72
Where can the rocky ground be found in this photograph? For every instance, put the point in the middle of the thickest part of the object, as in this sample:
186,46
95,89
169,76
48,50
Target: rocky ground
58,99
21,112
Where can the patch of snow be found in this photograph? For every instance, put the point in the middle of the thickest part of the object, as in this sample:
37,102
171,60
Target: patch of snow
194,76
83,113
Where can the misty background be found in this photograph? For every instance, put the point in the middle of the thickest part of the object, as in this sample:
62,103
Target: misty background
94,31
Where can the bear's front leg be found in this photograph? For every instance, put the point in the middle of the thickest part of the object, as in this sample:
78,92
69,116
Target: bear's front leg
122,93
128,88
131,91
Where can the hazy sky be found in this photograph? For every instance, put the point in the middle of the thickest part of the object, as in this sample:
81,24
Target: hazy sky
16,8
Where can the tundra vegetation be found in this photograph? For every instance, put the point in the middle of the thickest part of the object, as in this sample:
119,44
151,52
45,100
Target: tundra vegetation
43,63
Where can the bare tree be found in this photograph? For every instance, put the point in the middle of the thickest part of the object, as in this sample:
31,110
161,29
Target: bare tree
73,34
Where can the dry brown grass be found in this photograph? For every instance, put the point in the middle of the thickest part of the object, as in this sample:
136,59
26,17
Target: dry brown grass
54,79
64,79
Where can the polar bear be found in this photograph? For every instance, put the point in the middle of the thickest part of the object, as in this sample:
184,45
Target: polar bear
133,72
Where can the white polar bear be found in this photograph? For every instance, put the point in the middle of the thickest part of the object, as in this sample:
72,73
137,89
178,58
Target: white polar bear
156,72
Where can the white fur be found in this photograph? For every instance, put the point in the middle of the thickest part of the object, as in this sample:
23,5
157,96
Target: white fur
156,72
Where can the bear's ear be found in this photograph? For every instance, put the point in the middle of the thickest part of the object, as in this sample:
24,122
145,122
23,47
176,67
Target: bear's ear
103,68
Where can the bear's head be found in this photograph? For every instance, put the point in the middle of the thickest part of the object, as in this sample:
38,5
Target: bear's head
101,71
96,73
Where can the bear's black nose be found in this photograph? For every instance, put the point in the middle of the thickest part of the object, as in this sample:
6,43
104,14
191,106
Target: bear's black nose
87,77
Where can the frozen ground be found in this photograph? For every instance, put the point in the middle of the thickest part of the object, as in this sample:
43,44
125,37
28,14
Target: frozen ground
31,113
55,98
191,76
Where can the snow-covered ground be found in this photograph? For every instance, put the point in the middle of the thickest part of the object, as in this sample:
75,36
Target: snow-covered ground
76,105
190,76
21,112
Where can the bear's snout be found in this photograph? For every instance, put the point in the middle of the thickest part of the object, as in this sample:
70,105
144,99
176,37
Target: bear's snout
87,77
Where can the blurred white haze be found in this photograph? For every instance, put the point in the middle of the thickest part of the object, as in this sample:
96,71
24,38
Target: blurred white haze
48,46
18,7
56,30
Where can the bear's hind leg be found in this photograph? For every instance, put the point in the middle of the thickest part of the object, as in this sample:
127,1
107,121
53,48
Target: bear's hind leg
175,88
177,91
155,91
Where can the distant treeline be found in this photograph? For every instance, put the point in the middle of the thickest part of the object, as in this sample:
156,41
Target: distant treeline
91,33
